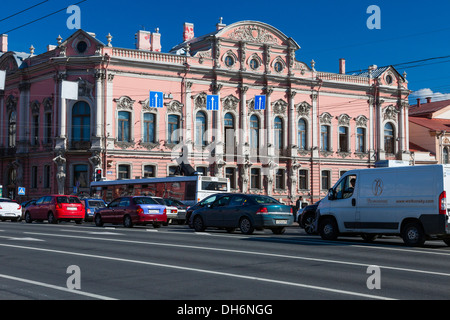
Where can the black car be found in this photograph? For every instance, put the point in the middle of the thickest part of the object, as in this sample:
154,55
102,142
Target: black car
201,204
307,217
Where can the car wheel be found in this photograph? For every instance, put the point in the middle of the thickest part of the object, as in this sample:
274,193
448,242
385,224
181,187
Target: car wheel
127,222
52,219
413,234
328,229
246,226
98,220
199,226
28,217
309,224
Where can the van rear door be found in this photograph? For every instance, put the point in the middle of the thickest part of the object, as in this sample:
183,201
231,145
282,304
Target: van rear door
446,169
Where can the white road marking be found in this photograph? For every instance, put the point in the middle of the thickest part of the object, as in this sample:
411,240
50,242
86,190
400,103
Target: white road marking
42,284
248,253
345,292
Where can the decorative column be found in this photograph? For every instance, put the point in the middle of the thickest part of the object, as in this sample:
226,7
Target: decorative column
99,89
315,127
23,117
291,138
380,131
244,147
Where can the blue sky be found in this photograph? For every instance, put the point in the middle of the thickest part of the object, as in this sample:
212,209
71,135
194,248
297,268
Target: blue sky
326,30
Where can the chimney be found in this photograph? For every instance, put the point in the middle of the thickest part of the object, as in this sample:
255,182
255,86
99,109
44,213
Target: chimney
156,41
188,31
342,66
3,43
143,40
220,25
418,103
428,99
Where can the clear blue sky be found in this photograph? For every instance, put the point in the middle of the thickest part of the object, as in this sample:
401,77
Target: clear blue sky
326,30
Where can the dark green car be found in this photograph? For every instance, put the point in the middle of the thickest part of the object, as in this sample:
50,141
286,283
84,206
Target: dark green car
244,211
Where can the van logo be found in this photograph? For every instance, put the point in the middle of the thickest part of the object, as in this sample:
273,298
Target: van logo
377,187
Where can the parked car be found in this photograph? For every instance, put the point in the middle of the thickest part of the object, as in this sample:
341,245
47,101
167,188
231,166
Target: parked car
55,208
307,216
243,211
171,211
10,210
208,200
132,210
91,206
182,208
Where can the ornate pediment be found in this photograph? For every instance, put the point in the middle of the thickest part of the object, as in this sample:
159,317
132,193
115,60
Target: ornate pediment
254,34
258,33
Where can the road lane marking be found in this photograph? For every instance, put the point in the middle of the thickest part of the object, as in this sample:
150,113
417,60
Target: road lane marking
21,239
42,284
276,255
226,274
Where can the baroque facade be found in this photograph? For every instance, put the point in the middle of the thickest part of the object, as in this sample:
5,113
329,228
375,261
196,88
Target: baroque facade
315,125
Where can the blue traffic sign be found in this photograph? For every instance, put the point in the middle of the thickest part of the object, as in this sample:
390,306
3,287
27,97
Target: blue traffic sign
156,99
21,191
212,102
260,102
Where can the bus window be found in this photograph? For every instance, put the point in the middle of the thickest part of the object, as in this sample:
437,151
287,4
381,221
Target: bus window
214,186
191,190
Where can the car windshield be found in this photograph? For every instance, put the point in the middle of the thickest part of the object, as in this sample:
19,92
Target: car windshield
174,202
96,204
264,199
160,201
144,200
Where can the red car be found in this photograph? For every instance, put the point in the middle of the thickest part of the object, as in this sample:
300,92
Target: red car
132,210
55,208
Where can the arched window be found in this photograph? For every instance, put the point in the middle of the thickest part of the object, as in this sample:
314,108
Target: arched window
278,131
445,159
124,128
325,138
228,124
12,127
174,125
389,138
360,139
254,133
149,127
81,122
302,134
343,139
200,129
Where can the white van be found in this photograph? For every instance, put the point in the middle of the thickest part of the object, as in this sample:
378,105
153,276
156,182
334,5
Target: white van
407,201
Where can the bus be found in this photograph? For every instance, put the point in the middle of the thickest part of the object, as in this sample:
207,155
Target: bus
187,189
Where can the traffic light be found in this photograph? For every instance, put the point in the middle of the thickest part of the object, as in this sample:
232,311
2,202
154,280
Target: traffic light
98,174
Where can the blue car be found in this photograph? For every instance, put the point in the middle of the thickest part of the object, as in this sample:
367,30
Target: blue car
244,211
91,206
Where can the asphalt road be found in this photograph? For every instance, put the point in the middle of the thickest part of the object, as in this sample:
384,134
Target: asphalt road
67,261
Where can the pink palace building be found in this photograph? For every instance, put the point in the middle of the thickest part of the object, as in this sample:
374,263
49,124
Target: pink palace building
281,127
